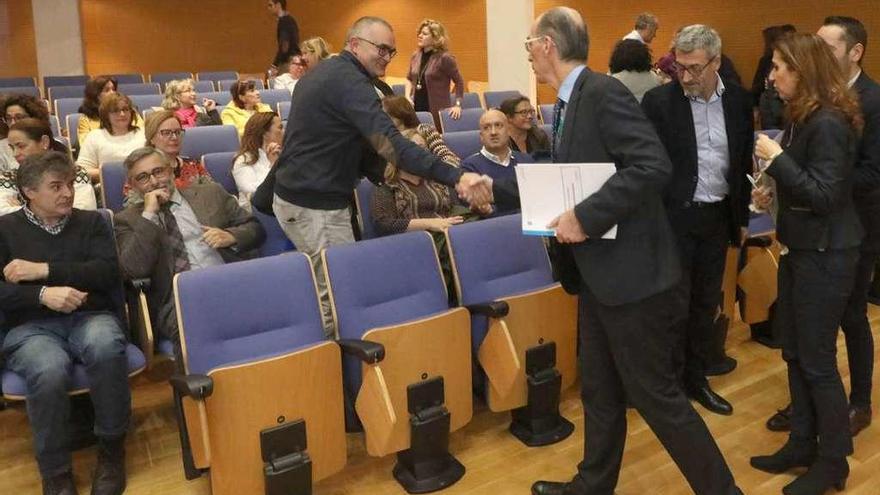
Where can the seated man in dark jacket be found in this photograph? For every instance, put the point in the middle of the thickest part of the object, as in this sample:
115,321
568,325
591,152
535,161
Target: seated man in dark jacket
167,231
59,270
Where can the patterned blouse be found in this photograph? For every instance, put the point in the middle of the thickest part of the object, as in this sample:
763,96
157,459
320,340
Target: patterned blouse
394,204
436,145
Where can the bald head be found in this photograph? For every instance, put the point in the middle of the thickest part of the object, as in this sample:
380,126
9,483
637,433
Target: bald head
567,29
493,132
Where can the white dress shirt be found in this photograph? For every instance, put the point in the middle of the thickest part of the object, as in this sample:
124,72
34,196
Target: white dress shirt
199,253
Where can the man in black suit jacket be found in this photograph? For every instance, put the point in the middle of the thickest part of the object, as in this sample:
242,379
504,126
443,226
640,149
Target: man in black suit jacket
628,300
706,127
848,39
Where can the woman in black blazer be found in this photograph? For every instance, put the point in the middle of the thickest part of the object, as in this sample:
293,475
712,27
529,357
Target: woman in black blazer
818,226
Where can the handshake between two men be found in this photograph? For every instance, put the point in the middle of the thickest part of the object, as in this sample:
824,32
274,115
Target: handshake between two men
477,191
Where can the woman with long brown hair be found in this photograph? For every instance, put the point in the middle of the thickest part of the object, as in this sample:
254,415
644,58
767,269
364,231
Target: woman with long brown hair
818,226
259,150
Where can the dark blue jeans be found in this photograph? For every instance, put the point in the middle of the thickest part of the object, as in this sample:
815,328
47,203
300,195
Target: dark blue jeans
43,352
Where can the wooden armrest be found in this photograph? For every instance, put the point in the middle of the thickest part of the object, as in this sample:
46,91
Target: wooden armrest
375,410
499,359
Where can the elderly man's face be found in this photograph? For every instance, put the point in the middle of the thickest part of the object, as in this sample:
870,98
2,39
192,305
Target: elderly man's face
493,131
538,48
697,71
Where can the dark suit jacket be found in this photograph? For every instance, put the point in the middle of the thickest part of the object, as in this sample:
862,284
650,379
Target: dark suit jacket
603,123
814,185
144,251
866,182
670,111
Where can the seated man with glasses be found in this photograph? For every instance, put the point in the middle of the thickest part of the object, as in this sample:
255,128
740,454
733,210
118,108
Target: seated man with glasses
59,272
495,159
525,134
165,230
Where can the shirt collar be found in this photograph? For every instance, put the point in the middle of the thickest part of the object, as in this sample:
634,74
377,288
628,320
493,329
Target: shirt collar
567,85
497,159
176,199
52,229
719,91
854,79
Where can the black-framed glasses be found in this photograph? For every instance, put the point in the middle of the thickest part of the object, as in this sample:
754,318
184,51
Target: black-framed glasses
384,50
159,173
695,70
528,112
167,133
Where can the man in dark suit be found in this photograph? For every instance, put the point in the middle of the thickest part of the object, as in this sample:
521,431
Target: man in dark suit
848,39
706,127
628,301
169,231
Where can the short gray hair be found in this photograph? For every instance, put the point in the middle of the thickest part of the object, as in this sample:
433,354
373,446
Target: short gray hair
646,20
360,26
698,37
139,154
35,167
567,29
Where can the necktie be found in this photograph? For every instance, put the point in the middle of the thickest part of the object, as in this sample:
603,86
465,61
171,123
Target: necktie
179,256
557,127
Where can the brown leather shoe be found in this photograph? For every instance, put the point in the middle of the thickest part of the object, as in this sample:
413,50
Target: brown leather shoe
859,419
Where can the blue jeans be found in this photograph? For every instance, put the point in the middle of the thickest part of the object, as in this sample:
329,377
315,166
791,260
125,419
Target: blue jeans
43,352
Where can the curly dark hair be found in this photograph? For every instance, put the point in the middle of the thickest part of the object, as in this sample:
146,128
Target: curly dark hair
632,55
35,108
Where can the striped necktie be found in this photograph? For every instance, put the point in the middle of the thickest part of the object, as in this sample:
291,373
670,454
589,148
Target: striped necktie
179,256
557,127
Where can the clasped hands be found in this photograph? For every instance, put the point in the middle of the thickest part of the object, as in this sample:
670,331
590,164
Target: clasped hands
61,299
766,150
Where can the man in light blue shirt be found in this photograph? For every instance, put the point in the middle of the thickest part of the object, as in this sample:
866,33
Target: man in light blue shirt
706,127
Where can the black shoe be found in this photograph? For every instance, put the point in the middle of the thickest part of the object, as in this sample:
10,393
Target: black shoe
781,421
822,475
60,485
548,488
709,399
859,419
795,453
109,475
723,367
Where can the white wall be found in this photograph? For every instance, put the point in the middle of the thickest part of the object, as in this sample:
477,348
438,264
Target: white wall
58,37
507,25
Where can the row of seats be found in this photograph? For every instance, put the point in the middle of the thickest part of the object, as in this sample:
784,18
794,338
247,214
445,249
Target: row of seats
131,78
404,355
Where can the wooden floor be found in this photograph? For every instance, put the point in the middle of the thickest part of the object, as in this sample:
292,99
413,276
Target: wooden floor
496,463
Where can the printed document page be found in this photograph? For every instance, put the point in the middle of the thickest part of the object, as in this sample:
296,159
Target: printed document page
548,190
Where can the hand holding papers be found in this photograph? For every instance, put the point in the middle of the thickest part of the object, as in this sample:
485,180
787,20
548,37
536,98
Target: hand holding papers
549,192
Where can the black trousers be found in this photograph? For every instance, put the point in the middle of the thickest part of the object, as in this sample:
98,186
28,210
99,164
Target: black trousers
626,351
857,331
703,235
814,288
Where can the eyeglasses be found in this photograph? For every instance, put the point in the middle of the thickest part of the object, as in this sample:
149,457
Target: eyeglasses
384,50
529,41
11,119
529,112
167,133
695,70
159,173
